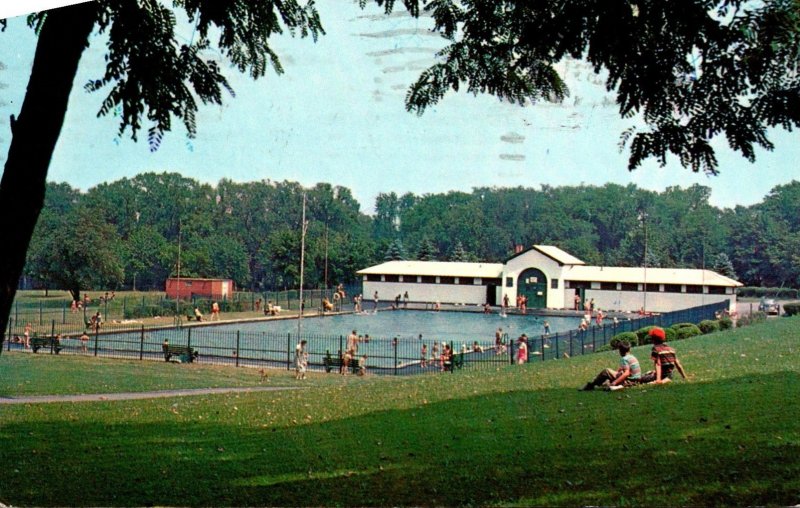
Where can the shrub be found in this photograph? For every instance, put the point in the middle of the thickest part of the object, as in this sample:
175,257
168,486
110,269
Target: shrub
708,326
752,318
678,326
685,332
624,336
758,292
725,323
792,308
644,338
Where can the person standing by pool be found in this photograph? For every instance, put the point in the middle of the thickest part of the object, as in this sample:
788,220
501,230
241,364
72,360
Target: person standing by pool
522,349
423,357
214,311
85,342
405,300
498,342
300,360
27,335
546,327
375,299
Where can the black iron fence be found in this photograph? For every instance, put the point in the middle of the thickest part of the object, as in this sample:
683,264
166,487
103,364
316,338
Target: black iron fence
42,311
381,355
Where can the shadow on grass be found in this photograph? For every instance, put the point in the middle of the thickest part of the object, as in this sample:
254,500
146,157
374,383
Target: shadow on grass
732,442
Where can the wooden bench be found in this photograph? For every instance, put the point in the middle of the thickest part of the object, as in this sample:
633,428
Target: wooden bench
335,362
185,353
46,342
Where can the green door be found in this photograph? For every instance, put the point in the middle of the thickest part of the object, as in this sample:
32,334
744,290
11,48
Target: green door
533,284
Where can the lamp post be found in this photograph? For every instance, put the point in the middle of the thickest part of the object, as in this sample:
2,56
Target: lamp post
643,219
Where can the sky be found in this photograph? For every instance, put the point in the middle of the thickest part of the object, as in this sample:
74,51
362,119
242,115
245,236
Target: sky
337,115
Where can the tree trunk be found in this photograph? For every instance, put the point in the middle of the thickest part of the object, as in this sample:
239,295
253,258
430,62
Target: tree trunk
63,37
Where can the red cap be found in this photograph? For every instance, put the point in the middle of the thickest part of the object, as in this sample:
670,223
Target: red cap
658,333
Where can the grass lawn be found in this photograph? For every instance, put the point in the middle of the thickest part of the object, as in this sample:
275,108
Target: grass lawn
517,436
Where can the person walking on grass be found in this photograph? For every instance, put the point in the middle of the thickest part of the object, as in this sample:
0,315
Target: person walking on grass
300,360
664,358
628,373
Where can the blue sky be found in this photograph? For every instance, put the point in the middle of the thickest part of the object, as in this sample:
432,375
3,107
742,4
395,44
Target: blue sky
337,115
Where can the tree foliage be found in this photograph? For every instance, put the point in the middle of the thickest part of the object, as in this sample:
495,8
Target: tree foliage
690,70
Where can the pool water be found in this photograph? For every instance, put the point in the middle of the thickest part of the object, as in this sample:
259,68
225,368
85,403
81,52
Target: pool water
456,327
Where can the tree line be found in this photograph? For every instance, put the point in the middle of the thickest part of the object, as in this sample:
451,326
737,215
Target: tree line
133,233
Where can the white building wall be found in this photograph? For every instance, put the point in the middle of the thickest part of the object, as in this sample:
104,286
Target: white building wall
629,301
419,292
548,266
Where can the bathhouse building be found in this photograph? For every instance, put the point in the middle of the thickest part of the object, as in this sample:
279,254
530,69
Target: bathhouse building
190,287
549,278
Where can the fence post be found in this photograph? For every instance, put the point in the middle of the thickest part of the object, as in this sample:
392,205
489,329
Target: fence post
40,313
189,337
394,343
511,352
541,347
594,340
16,310
64,313
237,348
571,353
141,344
558,335
288,351
96,338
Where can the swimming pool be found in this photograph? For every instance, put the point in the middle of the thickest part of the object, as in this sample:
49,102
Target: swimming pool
456,327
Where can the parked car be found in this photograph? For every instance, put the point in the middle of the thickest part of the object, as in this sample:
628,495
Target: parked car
769,306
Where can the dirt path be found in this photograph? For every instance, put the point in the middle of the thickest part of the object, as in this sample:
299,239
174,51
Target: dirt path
98,397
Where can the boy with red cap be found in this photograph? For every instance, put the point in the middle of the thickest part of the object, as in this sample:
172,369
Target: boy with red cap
664,358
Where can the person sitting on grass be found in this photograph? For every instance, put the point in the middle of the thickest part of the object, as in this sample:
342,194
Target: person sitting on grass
197,314
628,373
664,358
362,366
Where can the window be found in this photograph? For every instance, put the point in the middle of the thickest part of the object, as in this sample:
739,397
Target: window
447,280
372,277
630,286
466,281
492,282
553,283
694,289
509,282
672,288
581,284
608,286
716,290
428,279
391,278
652,288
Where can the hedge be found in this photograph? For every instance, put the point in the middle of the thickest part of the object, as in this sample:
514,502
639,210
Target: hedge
758,292
624,336
685,332
708,326
792,308
643,334
725,323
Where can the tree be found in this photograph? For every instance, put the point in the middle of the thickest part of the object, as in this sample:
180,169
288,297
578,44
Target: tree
396,251
722,265
80,251
459,254
692,69
427,250
149,75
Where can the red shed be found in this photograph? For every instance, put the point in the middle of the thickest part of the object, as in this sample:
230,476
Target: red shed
187,287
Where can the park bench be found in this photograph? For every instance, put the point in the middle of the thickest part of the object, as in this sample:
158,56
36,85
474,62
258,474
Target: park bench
46,342
335,362
185,353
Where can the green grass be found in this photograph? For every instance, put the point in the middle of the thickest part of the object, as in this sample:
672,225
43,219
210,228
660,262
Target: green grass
515,436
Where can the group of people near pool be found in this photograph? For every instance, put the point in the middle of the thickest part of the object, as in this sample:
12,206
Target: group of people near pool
629,372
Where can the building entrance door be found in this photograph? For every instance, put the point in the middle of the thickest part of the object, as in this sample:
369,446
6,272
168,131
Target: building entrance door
532,283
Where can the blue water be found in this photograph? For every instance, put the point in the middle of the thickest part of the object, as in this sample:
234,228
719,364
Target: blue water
458,327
